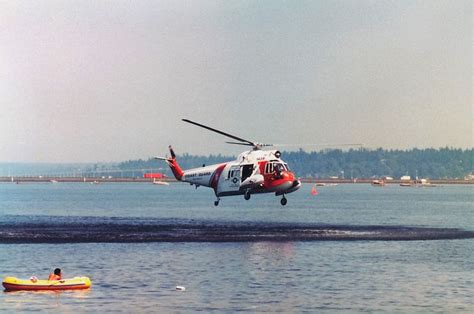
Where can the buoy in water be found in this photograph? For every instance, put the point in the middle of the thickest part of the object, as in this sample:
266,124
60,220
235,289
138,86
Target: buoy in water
180,288
314,191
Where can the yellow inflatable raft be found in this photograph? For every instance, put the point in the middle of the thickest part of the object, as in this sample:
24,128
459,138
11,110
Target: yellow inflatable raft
13,284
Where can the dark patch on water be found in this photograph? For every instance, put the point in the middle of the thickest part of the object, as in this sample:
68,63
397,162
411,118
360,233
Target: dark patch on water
47,229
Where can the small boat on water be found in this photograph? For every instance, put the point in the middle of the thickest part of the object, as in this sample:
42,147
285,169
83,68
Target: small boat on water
15,284
160,182
378,183
418,183
325,184
424,183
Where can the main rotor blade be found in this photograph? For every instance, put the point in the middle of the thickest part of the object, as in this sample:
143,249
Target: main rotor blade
235,143
255,145
320,145
220,132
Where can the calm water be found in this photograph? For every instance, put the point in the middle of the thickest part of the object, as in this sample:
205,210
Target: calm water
415,276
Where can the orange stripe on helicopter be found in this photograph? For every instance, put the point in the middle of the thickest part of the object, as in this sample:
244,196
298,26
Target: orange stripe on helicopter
215,177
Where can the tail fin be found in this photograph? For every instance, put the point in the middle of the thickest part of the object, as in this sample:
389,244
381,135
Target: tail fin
175,168
173,156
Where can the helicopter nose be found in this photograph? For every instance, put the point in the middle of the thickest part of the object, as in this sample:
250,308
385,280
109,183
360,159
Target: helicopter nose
287,185
289,176
296,184
290,180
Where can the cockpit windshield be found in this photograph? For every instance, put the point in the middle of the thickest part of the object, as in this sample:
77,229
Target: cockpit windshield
275,166
278,167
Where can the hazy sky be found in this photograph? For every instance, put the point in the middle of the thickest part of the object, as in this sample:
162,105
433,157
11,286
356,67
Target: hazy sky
111,80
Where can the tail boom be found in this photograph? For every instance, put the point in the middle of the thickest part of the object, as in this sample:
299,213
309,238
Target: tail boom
175,168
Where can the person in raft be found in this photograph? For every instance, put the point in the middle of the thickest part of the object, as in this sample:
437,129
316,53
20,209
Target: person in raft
56,275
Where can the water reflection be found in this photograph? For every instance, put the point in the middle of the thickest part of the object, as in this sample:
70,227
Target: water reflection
50,299
279,250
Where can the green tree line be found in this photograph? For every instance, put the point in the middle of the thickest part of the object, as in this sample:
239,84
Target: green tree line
442,163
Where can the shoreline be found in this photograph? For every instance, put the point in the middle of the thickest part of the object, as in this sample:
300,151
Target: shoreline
93,180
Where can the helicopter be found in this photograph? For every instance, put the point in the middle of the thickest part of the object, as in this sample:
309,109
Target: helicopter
253,172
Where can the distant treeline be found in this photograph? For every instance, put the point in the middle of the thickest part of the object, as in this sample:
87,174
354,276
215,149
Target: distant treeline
443,163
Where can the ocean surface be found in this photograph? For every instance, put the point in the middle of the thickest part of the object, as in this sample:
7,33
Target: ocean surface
349,248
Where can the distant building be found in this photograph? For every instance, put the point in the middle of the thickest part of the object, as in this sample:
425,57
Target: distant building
153,175
405,178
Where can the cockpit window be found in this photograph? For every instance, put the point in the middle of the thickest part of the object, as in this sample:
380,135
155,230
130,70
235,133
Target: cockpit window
278,167
271,167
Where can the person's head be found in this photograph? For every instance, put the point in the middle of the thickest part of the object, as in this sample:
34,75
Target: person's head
57,271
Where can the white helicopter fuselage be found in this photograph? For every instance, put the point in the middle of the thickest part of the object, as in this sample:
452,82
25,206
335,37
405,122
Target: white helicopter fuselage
248,173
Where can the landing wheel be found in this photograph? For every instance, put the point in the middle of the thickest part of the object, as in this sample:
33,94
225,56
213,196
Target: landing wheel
216,203
283,201
247,195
